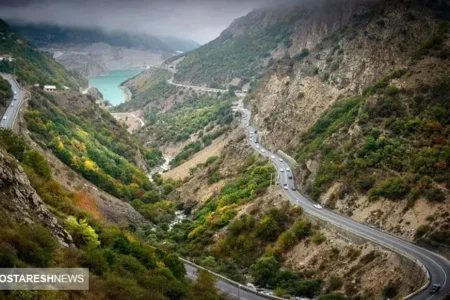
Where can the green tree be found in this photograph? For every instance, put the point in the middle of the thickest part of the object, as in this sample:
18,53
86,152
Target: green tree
205,287
175,265
82,232
264,271
38,163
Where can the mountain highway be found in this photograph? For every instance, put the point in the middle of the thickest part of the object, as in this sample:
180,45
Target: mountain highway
9,117
437,266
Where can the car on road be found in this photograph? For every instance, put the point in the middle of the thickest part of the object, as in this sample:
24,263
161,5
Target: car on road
290,176
281,170
4,118
257,147
281,159
287,169
12,104
435,288
293,188
285,186
318,206
15,93
15,98
263,151
273,156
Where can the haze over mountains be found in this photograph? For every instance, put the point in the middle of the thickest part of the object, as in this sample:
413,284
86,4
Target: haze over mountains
93,51
304,152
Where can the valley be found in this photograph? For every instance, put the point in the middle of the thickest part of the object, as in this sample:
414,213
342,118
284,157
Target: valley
302,154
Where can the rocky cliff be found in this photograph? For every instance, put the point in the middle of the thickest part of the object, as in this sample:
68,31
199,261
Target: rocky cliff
324,105
20,202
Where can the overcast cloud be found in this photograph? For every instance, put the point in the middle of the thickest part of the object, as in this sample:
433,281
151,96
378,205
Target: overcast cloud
200,20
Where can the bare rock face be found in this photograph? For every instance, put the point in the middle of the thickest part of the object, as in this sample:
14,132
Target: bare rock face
346,55
21,202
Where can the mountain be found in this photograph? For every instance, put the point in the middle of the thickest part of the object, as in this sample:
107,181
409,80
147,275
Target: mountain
93,51
356,94
44,35
247,48
365,114
46,225
30,65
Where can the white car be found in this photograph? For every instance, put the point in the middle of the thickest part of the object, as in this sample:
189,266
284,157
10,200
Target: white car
263,151
288,170
273,156
281,170
318,206
281,159
257,147
15,93
12,105
285,186
4,118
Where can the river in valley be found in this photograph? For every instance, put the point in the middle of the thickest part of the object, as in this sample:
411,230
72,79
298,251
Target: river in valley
109,84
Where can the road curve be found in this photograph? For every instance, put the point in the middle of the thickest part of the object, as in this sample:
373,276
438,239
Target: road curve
437,266
13,109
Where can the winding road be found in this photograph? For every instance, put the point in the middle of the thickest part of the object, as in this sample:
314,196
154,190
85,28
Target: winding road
437,266
9,117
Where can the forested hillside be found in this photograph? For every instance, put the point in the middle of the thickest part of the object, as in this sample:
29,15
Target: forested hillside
67,232
90,141
31,66
251,44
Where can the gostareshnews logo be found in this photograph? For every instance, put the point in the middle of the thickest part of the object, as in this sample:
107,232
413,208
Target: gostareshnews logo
44,279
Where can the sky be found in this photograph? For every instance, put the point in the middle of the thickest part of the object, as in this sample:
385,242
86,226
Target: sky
199,20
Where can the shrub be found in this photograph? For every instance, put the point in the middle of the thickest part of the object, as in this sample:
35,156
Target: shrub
304,53
392,188
435,194
421,231
287,240
390,291
335,283
82,233
318,238
38,163
264,271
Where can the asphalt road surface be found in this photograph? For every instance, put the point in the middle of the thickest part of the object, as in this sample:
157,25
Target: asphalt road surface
13,109
437,266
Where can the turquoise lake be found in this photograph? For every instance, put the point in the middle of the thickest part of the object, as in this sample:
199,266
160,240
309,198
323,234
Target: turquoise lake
108,84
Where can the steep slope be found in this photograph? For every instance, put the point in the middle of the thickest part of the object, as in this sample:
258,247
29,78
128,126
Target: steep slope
238,224
65,232
31,66
90,141
244,51
368,122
